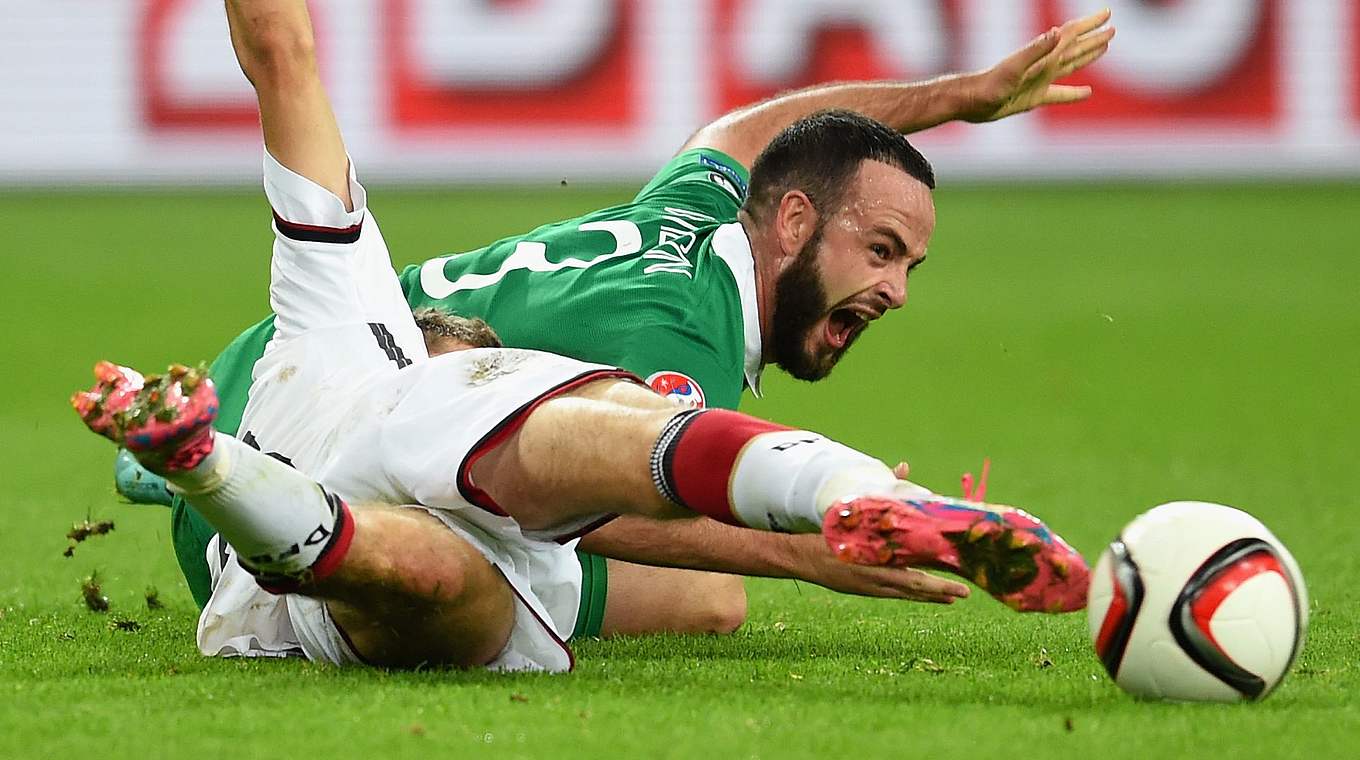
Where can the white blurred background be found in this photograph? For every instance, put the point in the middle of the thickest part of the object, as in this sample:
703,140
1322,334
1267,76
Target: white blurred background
471,91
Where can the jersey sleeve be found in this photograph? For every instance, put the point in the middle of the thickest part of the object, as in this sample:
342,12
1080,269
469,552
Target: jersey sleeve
330,266
703,180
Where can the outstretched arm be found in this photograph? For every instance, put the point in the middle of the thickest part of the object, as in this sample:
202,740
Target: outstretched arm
1021,82
702,544
274,45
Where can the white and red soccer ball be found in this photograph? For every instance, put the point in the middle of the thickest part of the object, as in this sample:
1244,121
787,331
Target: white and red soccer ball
1197,601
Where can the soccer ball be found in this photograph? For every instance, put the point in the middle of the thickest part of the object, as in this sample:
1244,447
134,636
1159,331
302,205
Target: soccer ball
1197,601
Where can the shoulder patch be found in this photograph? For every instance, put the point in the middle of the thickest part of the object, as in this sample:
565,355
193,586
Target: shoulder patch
726,171
726,184
677,387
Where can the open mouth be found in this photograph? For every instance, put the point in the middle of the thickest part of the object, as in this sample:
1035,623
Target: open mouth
842,325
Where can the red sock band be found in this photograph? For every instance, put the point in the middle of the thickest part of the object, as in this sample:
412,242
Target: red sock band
342,535
329,560
701,459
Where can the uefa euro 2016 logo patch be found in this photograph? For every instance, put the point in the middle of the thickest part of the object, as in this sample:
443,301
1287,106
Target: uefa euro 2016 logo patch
737,185
678,387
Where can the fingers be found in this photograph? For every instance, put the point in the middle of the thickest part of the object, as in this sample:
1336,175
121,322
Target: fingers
1037,48
1086,56
935,585
1061,93
893,583
909,583
932,598
1079,26
901,470
1087,42
1081,38
1080,42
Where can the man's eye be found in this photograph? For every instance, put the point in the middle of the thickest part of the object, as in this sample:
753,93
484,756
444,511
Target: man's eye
881,251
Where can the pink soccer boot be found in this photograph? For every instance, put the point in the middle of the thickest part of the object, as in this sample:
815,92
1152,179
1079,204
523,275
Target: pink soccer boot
164,420
1005,551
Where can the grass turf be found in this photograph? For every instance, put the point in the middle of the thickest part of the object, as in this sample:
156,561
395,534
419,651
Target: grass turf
1108,347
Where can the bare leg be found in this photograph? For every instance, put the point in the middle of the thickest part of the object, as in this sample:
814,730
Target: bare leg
412,592
645,600
589,449
592,451
398,582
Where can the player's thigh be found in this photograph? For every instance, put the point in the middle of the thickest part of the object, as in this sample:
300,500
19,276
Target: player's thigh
412,591
645,600
590,448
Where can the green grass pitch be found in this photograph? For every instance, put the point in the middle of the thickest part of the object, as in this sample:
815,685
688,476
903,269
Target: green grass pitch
1109,347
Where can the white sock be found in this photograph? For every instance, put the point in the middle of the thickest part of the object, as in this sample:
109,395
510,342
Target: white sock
278,520
787,480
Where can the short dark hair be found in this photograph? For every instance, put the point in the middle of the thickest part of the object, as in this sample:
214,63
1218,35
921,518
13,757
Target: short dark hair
818,155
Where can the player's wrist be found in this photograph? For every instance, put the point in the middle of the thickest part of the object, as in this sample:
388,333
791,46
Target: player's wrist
805,556
973,96
951,97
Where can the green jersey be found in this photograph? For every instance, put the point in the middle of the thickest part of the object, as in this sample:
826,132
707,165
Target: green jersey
639,286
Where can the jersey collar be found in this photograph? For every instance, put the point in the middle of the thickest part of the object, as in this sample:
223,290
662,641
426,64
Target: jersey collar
733,247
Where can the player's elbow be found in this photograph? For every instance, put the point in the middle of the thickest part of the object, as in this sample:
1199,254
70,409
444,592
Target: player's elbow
728,136
276,51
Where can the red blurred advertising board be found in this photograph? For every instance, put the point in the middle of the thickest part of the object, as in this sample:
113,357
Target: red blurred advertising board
606,88
162,107
597,95
1243,92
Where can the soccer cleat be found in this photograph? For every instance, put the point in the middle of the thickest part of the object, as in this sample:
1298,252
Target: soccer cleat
164,420
1005,551
138,484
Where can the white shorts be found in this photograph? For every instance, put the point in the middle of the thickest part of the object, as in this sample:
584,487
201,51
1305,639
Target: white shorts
410,438
245,621
347,394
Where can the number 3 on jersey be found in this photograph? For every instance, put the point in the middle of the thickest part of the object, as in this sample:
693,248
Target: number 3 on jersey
530,256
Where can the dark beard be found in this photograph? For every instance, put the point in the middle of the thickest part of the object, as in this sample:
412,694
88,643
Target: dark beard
799,304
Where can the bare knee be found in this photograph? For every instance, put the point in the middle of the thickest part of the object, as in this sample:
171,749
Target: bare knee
647,600
724,607
402,559
412,592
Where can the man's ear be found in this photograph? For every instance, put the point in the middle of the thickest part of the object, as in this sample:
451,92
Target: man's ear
794,224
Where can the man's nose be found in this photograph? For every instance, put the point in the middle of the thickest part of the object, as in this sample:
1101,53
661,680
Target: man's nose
893,291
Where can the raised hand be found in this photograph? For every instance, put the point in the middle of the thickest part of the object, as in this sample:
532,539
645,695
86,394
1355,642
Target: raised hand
1025,79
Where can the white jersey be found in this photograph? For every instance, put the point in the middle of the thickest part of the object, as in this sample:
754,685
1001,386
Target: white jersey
346,393
341,321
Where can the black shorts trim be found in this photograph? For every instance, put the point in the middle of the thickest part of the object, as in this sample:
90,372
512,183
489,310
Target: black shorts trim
552,632
310,233
589,528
